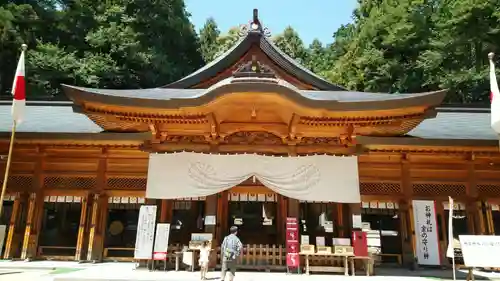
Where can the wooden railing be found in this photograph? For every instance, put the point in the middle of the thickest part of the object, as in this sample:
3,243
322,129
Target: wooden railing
256,257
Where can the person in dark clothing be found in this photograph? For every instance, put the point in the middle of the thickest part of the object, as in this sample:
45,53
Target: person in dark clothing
230,251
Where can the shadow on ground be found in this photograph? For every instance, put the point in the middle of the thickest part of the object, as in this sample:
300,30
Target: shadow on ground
438,274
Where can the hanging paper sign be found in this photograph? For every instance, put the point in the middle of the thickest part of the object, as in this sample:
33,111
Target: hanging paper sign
424,214
161,241
145,233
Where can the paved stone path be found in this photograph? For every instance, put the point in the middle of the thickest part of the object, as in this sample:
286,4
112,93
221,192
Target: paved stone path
72,271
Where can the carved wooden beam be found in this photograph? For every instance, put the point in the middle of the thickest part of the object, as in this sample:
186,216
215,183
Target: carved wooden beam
293,138
278,149
213,136
155,133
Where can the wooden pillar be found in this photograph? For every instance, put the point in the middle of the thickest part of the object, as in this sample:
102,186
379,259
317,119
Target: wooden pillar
490,226
16,210
405,213
211,210
222,216
33,222
97,227
406,233
293,208
166,208
282,213
354,210
443,231
81,229
473,208
340,220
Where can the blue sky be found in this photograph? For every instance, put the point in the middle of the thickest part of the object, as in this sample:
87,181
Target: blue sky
311,19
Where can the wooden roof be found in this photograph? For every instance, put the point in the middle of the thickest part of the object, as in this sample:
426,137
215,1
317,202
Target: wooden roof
254,91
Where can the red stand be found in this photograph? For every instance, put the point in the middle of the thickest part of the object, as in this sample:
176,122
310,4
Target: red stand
360,243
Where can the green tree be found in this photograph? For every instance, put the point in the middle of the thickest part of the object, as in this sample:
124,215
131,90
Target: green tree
317,58
290,43
228,40
457,58
208,40
117,44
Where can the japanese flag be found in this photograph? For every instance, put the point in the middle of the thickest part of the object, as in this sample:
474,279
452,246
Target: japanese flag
19,90
494,97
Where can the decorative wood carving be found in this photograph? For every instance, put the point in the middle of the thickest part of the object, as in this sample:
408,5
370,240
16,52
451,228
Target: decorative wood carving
320,141
254,68
185,139
253,138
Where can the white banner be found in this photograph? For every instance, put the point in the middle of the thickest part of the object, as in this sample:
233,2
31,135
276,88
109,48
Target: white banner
480,250
145,233
424,214
309,178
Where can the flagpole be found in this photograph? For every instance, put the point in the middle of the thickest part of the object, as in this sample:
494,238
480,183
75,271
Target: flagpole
7,166
450,252
16,118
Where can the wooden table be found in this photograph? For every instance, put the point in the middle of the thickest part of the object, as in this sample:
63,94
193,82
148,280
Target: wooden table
326,268
368,264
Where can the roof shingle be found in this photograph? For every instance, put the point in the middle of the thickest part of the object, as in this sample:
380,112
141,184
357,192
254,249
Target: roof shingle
61,119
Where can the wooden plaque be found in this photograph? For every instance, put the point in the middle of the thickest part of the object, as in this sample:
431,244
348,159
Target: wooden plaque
324,250
307,249
344,250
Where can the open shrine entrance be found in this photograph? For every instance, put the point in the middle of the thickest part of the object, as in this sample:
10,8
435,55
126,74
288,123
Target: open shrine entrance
254,210
121,227
59,227
382,222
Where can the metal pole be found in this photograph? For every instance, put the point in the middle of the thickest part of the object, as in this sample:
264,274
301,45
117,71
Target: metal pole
7,167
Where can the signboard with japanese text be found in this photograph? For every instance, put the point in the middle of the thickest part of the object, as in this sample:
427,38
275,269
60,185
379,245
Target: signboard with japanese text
292,243
145,233
477,250
161,241
426,232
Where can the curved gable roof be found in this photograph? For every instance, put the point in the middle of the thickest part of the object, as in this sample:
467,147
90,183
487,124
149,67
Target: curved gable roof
233,55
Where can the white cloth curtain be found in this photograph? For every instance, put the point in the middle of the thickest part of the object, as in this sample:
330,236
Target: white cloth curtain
312,178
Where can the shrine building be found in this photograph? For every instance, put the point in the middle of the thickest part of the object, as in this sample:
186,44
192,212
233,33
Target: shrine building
80,168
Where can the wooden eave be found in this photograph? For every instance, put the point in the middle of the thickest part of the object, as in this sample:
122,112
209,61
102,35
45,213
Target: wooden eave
327,101
411,144
78,139
254,104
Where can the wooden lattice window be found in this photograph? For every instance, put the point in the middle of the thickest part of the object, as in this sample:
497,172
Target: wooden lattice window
439,189
488,189
379,188
18,182
126,183
69,182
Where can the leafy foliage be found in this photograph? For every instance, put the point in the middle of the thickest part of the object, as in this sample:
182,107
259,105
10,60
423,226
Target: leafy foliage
390,46
109,44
